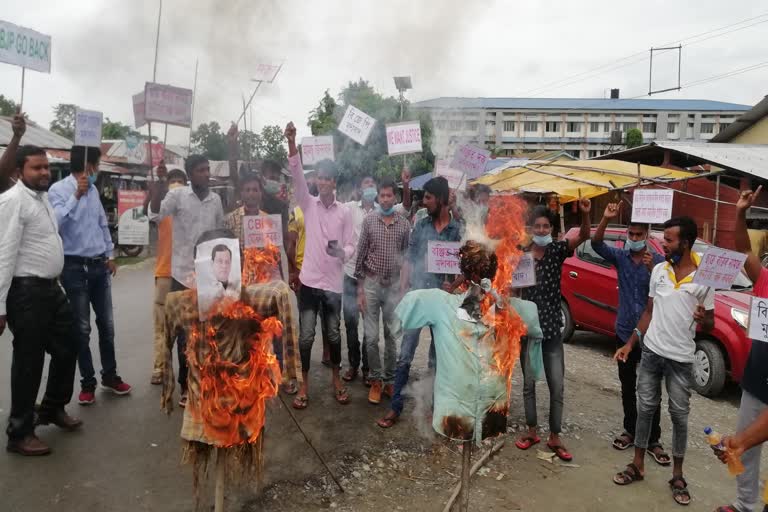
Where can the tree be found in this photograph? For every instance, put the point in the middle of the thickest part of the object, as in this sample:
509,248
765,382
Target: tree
64,120
209,140
271,145
634,138
321,119
7,106
117,130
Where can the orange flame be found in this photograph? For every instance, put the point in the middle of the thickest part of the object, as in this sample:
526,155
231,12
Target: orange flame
260,264
232,396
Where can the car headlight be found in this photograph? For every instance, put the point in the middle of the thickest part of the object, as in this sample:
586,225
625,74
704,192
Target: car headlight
740,317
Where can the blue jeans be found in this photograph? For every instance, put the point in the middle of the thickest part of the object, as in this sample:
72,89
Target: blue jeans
313,301
86,286
407,351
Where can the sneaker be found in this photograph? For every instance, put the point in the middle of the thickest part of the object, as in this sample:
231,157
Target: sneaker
374,395
116,385
86,397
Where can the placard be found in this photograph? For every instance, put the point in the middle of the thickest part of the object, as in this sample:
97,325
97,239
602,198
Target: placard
266,72
470,160
356,125
217,273
168,104
443,257
132,224
652,206
25,47
457,180
758,319
314,149
524,274
138,110
88,128
404,138
262,230
719,268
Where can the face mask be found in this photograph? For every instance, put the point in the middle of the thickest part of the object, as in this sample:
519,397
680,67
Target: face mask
369,194
91,179
272,187
635,245
388,212
542,241
675,257
174,185
313,191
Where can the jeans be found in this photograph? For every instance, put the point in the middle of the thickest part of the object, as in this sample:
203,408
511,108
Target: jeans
313,301
40,318
554,371
162,287
748,483
628,379
181,344
351,315
679,379
379,298
407,351
91,285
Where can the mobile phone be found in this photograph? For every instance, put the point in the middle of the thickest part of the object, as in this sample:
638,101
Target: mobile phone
333,244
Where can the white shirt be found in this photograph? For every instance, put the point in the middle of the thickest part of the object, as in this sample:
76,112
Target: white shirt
671,334
359,214
30,245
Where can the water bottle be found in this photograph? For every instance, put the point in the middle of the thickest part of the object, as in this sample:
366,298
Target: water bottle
715,440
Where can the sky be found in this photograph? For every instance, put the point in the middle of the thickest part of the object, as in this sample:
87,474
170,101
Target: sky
103,51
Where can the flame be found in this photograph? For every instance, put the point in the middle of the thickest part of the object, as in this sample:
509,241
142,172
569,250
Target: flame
233,394
260,264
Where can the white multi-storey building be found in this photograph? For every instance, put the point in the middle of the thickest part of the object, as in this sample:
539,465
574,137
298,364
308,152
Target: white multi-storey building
583,127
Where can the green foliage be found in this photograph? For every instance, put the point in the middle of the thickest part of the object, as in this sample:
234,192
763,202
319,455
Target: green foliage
321,119
634,138
64,120
271,145
116,130
209,140
7,106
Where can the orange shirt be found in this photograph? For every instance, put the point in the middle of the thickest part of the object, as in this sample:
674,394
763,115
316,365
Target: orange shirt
164,248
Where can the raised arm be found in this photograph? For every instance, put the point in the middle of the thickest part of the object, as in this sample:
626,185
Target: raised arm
752,265
585,206
233,155
406,177
8,160
300,188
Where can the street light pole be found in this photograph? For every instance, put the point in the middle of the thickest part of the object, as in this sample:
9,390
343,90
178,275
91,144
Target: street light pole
403,83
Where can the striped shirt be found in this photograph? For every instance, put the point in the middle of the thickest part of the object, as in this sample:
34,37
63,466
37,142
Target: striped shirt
381,248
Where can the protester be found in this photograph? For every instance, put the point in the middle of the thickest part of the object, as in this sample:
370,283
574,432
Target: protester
251,195
666,331
380,254
88,268
329,244
34,307
634,265
549,256
753,412
8,169
438,225
194,210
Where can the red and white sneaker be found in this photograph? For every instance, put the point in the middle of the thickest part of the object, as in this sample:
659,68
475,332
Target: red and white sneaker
116,385
86,397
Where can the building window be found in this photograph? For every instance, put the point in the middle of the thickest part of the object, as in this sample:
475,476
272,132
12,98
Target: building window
594,127
723,126
509,126
574,127
649,127
607,127
552,127
592,153
626,126
531,126
707,127
471,125
440,125
455,125
671,127
573,152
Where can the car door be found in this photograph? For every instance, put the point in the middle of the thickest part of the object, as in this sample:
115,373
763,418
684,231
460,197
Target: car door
594,290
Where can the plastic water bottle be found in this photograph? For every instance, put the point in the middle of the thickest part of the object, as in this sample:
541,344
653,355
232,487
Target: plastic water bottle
715,440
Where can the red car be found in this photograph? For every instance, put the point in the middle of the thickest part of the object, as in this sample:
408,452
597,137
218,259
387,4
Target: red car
590,299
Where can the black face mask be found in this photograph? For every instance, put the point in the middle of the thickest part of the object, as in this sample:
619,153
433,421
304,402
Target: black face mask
313,191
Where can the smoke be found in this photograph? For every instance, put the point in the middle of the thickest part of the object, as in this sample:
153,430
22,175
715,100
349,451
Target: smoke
422,392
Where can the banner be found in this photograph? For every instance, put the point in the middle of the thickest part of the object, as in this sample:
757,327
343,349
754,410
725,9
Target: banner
457,180
652,206
266,72
719,268
470,160
138,110
758,320
404,138
168,104
524,274
356,125
262,230
25,47
132,224
88,128
314,149
443,257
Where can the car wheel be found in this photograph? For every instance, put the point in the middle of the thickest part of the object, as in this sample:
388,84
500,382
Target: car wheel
567,328
132,251
708,368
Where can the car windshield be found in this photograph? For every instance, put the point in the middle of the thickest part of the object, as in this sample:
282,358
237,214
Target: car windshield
742,281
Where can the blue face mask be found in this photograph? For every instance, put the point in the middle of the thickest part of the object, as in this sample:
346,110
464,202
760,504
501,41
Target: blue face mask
369,194
91,180
635,245
542,241
675,257
388,212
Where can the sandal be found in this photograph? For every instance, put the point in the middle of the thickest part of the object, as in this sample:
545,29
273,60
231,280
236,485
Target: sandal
349,375
628,476
659,455
526,442
624,441
726,508
561,452
388,420
156,380
301,402
341,396
290,388
680,494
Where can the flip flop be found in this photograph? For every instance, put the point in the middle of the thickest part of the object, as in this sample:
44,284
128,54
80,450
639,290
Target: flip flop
628,476
300,402
624,441
349,375
527,441
341,396
386,422
679,494
660,456
726,508
290,388
561,452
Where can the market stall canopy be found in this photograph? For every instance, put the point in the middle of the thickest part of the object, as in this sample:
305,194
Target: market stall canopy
581,178
35,135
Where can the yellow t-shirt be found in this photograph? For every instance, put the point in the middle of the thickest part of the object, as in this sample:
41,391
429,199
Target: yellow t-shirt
296,225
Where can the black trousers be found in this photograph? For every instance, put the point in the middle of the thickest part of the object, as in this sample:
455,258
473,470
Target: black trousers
181,344
628,379
351,316
41,320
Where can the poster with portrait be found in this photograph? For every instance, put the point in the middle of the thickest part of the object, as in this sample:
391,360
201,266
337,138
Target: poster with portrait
217,273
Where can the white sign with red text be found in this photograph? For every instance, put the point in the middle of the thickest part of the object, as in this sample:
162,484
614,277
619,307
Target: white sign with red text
168,104
719,268
457,180
443,257
262,230
470,160
356,125
758,319
266,72
132,224
404,138
314,149
652,206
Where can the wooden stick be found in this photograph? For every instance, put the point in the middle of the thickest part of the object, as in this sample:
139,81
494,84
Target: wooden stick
482,460
220,478
466,462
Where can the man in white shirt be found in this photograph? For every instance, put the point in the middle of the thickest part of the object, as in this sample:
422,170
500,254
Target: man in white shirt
34,306
667,332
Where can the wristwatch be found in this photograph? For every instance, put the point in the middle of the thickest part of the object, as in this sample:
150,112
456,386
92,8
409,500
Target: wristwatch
639,334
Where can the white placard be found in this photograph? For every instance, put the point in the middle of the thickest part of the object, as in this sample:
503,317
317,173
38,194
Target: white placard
88,128
138,110
652,206
404,138
168,104
266,72
25,47
314,149
457,180
719,268
470,160
262,230
356,125
524,274
758,319
133,225
217,273
443,257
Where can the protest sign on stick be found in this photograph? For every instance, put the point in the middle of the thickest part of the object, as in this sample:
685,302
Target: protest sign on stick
262,230
168,104
719,268
403,138
524,274
443,257
138,110
457,180
470,160
758,319
266,72
25,47
314,149
652,206
133,225
88,128
356,125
